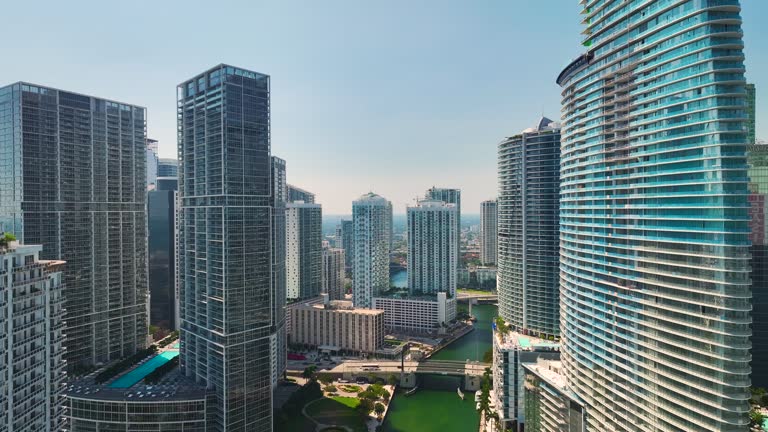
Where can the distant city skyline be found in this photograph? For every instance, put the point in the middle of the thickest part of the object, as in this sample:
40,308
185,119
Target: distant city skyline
357,107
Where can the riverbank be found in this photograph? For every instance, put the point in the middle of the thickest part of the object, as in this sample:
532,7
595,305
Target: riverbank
446,342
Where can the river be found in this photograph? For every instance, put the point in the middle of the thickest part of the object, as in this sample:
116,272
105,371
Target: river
436,407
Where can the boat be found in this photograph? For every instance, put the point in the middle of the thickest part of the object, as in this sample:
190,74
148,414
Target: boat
411,391
461,395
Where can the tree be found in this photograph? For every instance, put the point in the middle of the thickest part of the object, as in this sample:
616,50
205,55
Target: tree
756,418
488,356
325,378
392,380
309,373
365,407
379,409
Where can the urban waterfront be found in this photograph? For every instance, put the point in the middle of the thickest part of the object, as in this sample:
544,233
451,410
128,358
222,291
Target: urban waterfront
436,407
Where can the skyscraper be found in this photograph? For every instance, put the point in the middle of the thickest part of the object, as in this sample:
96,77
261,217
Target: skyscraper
450,196
347,229
31,340
432,248
655,284
228,323
528,265
751,112
370,215
758,199
489,231
279,199
152,163
296,194
161,240
303,250
73,179
167,167
333,273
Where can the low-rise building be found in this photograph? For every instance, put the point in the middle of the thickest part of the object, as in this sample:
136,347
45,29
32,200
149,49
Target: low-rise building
424,314
31,340
549,405
512,350
337,326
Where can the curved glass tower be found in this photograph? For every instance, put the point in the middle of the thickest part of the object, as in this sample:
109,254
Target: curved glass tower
654,223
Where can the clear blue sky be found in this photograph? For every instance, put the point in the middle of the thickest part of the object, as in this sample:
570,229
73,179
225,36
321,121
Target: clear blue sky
392,97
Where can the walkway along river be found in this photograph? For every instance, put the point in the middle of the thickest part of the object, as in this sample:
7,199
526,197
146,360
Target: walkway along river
436,407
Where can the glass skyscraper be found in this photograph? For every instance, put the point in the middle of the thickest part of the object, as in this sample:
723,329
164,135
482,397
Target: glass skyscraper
751,111
228,321
655,248
370,216
489,231
528,236
758,200
161,244
73,179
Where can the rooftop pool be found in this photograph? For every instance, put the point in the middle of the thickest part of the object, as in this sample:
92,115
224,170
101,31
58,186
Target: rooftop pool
132,377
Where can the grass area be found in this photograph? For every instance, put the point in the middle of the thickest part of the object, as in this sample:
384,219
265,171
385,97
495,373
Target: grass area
335,412
351,388
348,401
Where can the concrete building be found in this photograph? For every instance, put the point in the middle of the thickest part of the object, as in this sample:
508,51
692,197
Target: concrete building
449,196
751,112
297,194
333,273
228,325
489,231
31,340
654,217
421,314
432,248
279,340
370,216
303,250
73,178
528,264
291,307
338,326
152,163
549,405
346,229
162,246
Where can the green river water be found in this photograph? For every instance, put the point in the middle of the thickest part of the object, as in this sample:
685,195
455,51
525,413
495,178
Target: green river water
436,406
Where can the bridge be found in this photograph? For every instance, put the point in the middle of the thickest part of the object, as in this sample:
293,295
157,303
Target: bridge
469,371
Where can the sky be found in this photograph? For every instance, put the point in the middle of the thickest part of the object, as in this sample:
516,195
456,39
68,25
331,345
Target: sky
390,97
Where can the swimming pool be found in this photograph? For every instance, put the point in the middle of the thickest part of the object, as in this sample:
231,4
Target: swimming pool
145,369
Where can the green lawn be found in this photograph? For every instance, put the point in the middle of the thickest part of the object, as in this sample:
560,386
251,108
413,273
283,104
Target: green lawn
337,411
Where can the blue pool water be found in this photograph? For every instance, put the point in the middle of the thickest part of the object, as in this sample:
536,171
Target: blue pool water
177,345
145,369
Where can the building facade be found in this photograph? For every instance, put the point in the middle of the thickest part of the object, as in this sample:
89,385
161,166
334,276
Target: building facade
333,273
421,314
347,230
489,231
167,167
152,163
528,220
758,227
449,196
655,218
31,340
338,327
371,241
73,179
227,318
297,194
303,250
751,111
161,243
549,405
432,248
279,199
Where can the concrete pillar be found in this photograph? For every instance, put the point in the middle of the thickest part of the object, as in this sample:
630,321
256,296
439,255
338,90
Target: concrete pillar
472,383
408,380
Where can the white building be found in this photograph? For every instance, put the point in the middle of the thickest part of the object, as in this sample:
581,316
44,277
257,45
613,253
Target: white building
152,163
432,247
419,314
31,340
488,231
333,273
371,220
303,250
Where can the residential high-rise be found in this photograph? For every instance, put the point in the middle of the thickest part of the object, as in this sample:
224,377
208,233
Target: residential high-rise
432,248
167,167
347,230
751,111
449,196
528,219
31,340
758,224
654,217
228,323
390,226
370,215
303,250
279,199
297,194
152,163
489,231
528,266
73,176
333,273
161,243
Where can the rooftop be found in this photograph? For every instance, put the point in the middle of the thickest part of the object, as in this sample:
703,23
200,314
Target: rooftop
526,342
550,371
